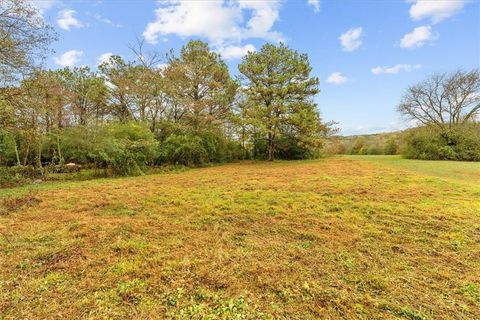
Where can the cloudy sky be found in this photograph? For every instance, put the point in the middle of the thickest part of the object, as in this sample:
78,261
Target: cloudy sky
364,52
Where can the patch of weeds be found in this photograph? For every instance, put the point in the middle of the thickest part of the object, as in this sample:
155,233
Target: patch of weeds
206,306
13,204
349,263
53,280
334,208
127,267
404,312
370,284
131,291
458,244
129,246
206,220
472,292
239,239
307,291
305,245
173,299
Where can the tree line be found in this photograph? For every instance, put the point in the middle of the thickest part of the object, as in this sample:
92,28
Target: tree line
443,111
157,108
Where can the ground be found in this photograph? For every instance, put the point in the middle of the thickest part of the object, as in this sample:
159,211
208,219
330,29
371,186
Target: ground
337,238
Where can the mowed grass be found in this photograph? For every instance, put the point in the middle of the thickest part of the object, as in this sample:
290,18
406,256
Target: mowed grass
338,238
458,171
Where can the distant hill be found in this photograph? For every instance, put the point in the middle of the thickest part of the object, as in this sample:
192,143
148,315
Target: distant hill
375,143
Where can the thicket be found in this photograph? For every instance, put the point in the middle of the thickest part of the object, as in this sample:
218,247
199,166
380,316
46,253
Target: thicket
460,142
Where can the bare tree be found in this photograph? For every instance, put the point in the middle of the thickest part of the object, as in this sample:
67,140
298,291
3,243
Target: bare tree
444,100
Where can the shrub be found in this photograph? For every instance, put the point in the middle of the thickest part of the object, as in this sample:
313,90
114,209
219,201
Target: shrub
122,148
291,148
183,149
18,175
7,148
390,147
358,146
456,143
125,148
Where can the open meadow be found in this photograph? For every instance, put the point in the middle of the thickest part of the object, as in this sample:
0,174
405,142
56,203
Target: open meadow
338,238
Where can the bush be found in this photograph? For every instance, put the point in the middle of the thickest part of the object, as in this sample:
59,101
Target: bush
390,147
457,143
7,148
122,148
358,146
125,148
208,146
290,148
183,149
374,150
18,175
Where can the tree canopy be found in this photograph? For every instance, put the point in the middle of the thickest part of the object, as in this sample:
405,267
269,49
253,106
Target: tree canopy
443,100
24,39
279,91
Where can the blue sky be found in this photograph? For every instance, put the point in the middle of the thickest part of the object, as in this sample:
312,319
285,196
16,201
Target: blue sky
364,52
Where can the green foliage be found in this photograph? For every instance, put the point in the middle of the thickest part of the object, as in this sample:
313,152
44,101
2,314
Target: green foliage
372,144
125,148
24,41
460,142
291,148
197,149
390,147
199,81
18,175
7,148
183,149
278,93
117,117
374,150
363,150
122,148
358,145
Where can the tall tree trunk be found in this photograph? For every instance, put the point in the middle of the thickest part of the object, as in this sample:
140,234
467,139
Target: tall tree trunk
39,153
16,152
60,158
271,147
27,153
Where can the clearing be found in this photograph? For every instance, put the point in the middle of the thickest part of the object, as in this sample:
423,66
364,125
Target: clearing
338,238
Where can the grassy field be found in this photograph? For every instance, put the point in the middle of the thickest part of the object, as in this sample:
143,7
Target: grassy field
457,171
339,238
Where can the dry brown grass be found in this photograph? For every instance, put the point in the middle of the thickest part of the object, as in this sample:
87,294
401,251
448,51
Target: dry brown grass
333,239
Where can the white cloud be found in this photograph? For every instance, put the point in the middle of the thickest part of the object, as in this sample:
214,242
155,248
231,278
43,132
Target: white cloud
103,19
66,19
315,4
395,69
104,57
352,39
337,78
436,10
69,58
218,21
417,38
236,52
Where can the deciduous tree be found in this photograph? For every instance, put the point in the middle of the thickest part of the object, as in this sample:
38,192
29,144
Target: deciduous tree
443,100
